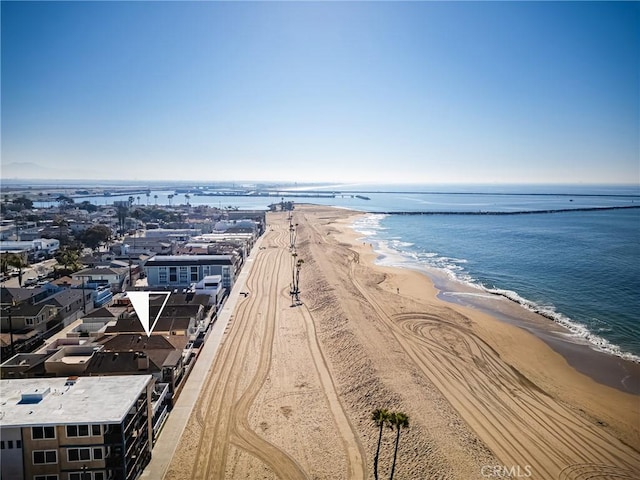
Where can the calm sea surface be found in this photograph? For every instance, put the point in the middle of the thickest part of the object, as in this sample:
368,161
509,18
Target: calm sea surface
581,269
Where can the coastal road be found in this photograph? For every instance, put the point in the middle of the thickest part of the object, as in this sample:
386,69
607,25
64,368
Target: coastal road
244,423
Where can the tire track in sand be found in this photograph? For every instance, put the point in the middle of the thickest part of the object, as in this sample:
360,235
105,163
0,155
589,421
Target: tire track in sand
517,421
356,459
218,405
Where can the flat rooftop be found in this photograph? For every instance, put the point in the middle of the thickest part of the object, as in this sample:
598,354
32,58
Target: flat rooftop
52,401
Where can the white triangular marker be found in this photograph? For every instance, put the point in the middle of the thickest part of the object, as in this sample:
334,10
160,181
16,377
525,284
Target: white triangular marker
140,303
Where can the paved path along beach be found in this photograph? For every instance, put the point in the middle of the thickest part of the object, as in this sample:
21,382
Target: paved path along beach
291,389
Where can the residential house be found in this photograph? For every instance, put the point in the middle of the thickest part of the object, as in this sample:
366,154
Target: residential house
24,365
115,278
31,319
135,354
179,323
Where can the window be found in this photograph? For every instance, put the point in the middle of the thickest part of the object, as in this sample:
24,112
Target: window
9,444
162,275
173,274
194,274
96,431
97,453
46,477
38,433
29,321
45,456
77,430
79,454
88,475
1,444
18,443
183,274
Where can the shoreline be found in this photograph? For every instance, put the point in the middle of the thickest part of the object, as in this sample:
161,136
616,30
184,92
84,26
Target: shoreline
603,366
529,356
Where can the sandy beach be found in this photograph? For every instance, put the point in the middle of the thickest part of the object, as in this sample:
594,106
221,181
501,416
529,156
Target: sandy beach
292,388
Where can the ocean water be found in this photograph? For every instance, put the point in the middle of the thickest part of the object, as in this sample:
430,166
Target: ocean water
580,269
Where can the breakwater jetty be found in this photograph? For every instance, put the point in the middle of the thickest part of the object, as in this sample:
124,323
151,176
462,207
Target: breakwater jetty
514,212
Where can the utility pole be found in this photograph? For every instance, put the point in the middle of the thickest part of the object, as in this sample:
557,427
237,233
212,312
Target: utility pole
9,311
84,299
11,329
130,280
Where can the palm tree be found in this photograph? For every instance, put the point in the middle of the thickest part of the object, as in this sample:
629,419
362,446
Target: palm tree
155,198
398,420
18,262
381,418
69,258
148,194
170,197
122,212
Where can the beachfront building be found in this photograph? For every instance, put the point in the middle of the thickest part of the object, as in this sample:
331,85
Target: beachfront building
211,287
72,428
181,271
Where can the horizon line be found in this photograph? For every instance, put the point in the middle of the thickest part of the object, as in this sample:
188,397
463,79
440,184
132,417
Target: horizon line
310,182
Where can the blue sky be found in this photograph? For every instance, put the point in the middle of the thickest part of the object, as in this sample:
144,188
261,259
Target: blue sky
420,92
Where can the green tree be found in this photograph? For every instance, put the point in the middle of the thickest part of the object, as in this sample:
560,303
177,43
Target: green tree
15,261
65,202
95,235
88,206
59,221
23,203
380,416
69,258
397,420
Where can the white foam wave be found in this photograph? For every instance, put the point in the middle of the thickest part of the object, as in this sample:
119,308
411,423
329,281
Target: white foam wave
396,253
576,329
369,225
